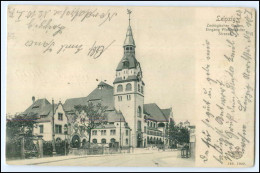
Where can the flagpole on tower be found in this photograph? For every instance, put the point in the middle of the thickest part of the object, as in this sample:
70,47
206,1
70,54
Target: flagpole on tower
129,13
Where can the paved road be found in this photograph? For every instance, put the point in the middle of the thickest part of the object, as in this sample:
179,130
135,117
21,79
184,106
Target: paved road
157,159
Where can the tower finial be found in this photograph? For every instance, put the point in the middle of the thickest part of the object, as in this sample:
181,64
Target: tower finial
129,13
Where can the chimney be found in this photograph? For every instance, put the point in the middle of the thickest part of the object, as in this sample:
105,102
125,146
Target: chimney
33,99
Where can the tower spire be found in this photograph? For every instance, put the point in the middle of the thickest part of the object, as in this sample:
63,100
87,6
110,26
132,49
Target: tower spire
129,13
129,40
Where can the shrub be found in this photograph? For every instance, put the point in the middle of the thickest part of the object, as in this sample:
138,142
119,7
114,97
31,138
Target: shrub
60,147
47,148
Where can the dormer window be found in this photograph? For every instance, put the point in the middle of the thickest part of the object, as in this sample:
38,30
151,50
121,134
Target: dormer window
36,106
126,64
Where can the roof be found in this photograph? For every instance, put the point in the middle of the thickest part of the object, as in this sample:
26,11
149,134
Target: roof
128,56
129,40
154,112
103,92
167,113
105,126
114,116
41,110
131,59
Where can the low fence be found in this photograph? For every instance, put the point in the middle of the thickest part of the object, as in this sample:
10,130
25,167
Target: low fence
156,146
99,151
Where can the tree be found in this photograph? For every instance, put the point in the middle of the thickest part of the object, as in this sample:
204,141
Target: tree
172,133
183,135
19,125
178,133
93,115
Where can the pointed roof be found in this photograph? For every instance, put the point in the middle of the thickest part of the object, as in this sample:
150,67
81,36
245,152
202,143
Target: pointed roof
154,112
129,40
40,107
131,59
167,112
104,84
105,94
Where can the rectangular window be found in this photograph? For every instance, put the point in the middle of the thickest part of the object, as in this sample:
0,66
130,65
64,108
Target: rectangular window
58,129
94,132
41,128
145,129
60,116
119,98
139,126
128,97
112,132
103,132
126,132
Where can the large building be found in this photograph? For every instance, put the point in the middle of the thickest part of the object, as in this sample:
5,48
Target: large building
45,115
146,123
128,121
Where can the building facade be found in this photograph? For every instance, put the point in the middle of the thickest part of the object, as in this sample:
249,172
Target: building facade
44,111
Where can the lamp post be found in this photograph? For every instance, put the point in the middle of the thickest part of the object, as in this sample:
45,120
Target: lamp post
65,133
120,136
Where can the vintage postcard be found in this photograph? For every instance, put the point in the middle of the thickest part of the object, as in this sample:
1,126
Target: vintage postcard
130,86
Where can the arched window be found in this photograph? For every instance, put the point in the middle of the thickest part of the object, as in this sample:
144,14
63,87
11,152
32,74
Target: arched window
58,140
154,125
112,140
142,89
94,141
75,142
103,141
119,88
139,111
126,141
148,123
128,87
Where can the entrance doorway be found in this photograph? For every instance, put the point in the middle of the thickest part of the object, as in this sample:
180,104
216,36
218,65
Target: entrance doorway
139,140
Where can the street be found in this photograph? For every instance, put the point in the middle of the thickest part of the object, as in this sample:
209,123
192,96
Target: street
146,159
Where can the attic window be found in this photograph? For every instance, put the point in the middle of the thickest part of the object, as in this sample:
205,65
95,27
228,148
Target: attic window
126,64
36,106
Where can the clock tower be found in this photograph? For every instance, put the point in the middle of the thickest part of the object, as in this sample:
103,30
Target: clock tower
129,89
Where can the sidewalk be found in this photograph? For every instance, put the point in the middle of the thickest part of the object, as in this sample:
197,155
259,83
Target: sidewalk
35,161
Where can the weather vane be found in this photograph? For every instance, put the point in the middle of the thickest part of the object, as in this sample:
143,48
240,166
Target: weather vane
129,13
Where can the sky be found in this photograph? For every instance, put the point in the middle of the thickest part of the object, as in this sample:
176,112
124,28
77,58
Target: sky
164,47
